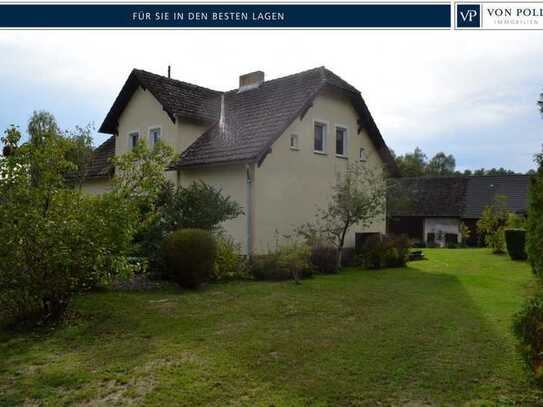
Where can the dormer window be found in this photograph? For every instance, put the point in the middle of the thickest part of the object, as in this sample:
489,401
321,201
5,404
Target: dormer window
154,135
133,139
294,142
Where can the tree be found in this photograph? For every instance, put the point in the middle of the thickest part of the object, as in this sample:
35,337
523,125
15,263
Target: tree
412,164
492,223
55,240
358,198
441,164
79,153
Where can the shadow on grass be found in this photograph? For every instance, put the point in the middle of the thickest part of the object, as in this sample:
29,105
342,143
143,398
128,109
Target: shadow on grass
355,338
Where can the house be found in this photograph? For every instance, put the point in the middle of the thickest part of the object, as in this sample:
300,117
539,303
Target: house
276,147
432,208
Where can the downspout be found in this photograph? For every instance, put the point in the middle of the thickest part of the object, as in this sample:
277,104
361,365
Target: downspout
249,209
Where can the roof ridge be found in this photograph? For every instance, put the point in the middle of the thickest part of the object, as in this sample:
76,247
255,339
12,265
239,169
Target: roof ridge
178,81
284,77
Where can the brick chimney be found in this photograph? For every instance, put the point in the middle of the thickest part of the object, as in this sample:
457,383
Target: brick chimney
250,81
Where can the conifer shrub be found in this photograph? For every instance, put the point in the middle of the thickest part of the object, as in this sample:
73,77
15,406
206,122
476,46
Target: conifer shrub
515,240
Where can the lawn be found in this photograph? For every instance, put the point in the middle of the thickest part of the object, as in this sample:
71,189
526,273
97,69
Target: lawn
435,333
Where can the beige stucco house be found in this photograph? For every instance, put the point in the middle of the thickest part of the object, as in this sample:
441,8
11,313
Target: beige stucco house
276,147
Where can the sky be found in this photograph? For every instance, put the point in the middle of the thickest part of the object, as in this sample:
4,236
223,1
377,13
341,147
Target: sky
468,93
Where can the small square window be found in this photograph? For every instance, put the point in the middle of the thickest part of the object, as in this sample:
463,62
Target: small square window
320,137
154,135
294,141
341,141
133,139
363,156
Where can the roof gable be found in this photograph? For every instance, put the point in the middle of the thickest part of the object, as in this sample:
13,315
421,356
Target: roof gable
178,99
252,120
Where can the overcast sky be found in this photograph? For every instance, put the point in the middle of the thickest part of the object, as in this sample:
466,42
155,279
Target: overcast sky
472,94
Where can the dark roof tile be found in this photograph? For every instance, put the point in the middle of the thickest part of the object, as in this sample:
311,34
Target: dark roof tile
100,164
455,196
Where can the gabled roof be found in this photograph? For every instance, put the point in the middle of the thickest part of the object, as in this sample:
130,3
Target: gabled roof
100,164
455,196
254,119
178,99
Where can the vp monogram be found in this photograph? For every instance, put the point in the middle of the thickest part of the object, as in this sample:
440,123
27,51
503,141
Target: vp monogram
468,15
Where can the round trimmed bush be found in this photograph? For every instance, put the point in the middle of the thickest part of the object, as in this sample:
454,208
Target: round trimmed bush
516,241
189,256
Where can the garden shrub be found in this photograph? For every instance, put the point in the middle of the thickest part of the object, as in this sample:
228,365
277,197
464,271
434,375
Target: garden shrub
534,226
528,323
451,240
516,240
56,241
230,264
528,327
290,261
189,256
348,257
266,267
382,251
324,259
492,223
196,206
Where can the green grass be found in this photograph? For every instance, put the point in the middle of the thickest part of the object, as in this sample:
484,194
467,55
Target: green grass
435,333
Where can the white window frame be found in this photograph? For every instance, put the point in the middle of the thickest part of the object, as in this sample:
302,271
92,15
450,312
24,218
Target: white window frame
326,125
151,141
345,141
130,133
296,137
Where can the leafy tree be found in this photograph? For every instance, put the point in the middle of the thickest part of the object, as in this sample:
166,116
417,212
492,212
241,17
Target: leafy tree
441,164
412,164
55,240
79,153
196,206
492,224
494,171
358,198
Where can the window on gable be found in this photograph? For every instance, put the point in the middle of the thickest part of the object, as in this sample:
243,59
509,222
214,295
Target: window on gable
154,135
133,139
320,138
363,155
294,141
341,141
